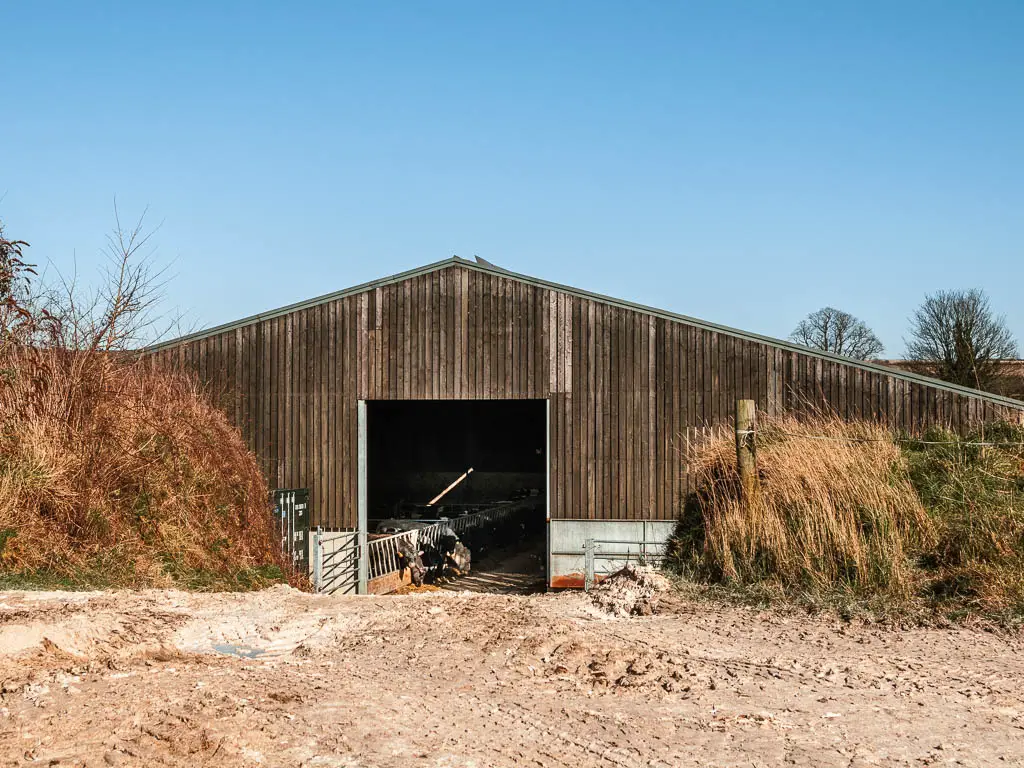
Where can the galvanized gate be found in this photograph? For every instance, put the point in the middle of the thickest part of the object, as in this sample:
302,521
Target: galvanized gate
291,512
336,562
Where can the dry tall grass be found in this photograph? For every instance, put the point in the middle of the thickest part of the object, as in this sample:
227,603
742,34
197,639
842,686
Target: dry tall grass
840,511
113,472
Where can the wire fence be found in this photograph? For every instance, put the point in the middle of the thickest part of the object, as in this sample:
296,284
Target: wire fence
898,439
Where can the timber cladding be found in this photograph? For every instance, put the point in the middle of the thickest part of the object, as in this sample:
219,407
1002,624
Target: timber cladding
628,386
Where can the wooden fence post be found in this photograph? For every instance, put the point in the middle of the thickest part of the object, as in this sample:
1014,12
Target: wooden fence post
746,456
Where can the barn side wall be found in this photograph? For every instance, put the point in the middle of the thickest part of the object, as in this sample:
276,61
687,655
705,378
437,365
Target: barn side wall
628,389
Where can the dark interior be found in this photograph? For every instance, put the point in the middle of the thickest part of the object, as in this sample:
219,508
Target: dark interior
416,448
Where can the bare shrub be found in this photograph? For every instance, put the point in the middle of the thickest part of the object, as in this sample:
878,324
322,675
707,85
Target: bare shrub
113,471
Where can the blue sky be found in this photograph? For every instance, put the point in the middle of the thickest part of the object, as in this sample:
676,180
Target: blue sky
743,162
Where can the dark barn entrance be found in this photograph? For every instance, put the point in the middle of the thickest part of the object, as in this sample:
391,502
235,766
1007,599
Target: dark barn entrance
416,449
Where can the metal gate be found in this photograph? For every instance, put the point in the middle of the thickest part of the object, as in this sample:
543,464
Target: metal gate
291,513
336,562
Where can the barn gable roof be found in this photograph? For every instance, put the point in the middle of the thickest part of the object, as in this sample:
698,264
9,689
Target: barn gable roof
456,261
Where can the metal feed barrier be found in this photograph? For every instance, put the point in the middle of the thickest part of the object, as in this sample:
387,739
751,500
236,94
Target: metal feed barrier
601,562
382,552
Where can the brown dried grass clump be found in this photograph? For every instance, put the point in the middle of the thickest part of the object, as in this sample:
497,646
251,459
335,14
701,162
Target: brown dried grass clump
113,472
836,508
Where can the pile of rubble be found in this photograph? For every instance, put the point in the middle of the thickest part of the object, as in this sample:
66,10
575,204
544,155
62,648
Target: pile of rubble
633,591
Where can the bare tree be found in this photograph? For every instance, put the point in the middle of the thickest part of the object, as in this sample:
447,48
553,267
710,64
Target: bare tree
122,312
832,330
956,336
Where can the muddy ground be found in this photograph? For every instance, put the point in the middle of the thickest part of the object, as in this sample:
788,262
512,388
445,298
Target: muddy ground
281,678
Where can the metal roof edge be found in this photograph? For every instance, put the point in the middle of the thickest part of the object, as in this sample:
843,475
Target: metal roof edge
610,300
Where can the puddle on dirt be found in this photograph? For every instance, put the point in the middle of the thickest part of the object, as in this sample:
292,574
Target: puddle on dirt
242,651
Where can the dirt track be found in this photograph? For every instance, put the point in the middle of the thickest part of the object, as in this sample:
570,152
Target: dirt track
161,678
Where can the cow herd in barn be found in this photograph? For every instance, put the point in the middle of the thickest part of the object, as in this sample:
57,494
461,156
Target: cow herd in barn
449,554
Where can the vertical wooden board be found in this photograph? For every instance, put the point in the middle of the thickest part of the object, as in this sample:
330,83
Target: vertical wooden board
351,425
585,376
590,419
683,401
504,330
653,478
628,431
523,347
486,311
474,344
414,333
514,344
908,407
458,331
715,367
579,397
916,408
308,362
481,350
759,354
328,404
438,351
530,332
238,387
497,337
276,395
509,330
637,323
397,338
454,365
466,352
605,429
742,378
395,295
842,401
496,320
565,376
675,349
298,370
551,340
324,388
744,387
696,383
423,337
612,418
639,425
405,328
419,331
659,443
707,376
600,470
284,369
312,405
622,433
344,355
384,304
879,397
437,359
544,341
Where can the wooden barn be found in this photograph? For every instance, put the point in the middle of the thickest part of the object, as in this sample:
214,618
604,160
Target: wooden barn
387,391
